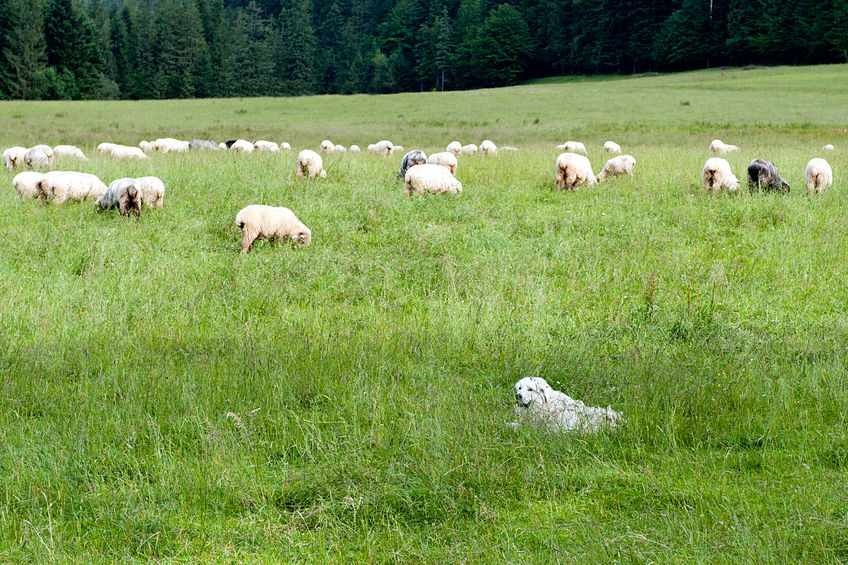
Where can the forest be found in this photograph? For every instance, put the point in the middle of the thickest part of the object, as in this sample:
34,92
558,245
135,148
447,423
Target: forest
161,49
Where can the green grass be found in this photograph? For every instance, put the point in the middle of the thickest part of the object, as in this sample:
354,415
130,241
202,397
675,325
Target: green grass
164,397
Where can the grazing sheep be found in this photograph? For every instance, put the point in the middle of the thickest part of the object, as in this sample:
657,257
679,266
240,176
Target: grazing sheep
223,146
26,184
203,145
355,149
39,157
13,157
146,146
617,166
469,149
69,151
537,403
340,149
152,191
573,147
241,146
327,146
764,175
126,152
106,148
829,147
124,195
718,147
59,186
284,146
445,159
488,147
170,145
309,164
573,171
612,147
718,175
267,222
412,158
433,179
396,149
383,147
454,147
267,146
819,176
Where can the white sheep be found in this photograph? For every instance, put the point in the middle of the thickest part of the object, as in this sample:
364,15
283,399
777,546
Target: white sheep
284,146
327,146
355,149
383,147
170,145
70,151
106,148
717,175
124,195
433,179
573,147
26,184
267,222
537,403
13,157
242,146
39,157
396,149
829,147
612,147
309,164
340,149
152,191
469,149
617,166
445,159
488,147
819,176
573,171
126,152
454,147
267,146
718,147
60,186
144,145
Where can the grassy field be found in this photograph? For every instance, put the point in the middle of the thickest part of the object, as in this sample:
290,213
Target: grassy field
164,397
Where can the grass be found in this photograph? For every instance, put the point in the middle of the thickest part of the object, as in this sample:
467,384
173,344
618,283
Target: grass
166,398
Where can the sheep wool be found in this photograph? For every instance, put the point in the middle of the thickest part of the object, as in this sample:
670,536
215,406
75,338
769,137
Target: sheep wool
69,151
612,147
26,184
718,147
432,179
61,186
573,171
573,147
454,147
617,166
13,157
266,146
488,147
819,176
445,159
717,176
309,164
469,149
267,222
124,195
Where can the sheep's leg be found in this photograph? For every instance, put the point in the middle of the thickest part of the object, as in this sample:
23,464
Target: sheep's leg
248,237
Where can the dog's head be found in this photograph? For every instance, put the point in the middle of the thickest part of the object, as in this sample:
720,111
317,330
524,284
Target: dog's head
532,389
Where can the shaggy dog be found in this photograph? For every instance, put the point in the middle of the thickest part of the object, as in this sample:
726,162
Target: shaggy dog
538,403
764,175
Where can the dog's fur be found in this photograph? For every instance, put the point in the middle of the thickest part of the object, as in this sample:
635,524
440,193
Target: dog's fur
764,175
539,404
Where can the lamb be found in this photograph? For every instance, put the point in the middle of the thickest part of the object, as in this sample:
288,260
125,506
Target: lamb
124,195
573,171
433,179
819,176
26,184
309,164
829,147
13,157
39,157
152,191
573,147
445,159
469,149
69,151
488,147
170,145
718,175
355,149
617,166
284,146
267,222
203,145
61,186
537,403
267,146
764,175
454,147
340,149
240,146
125,152
327,146
412,158
718,147
612,147
383,147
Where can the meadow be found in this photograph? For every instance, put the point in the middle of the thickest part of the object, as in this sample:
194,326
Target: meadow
165,397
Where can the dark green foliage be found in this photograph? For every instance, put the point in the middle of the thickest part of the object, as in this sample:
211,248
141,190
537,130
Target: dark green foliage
206,48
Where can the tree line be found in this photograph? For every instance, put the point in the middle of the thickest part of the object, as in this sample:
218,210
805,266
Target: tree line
133,49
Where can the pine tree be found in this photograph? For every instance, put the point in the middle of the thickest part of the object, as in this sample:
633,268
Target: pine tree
24,56
501,50
296,53
180,46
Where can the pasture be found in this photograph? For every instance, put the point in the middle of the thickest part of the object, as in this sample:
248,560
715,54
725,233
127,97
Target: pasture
165,397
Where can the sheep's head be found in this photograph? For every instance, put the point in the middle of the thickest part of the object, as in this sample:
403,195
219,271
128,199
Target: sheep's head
303,236
531,389
784,187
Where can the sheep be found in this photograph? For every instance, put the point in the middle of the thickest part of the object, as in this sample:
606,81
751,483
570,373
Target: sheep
203,145
454,147
327,146
573,171
819,176
445,159
764,175
309,164
340,149
433,179
170,145
106,148
829,147
537,403
469,149
229,143
267,222
125,152
573,147
718,175
355,149
223,146
383,147
39,157
13,157
396,149
26,184
152,191
617,166
285,146
718,147
412,158
146,146
69,151
266,146
240,146
612,147
488,147
60,186
123,194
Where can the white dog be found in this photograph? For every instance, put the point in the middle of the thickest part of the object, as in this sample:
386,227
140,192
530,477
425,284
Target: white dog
538,403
